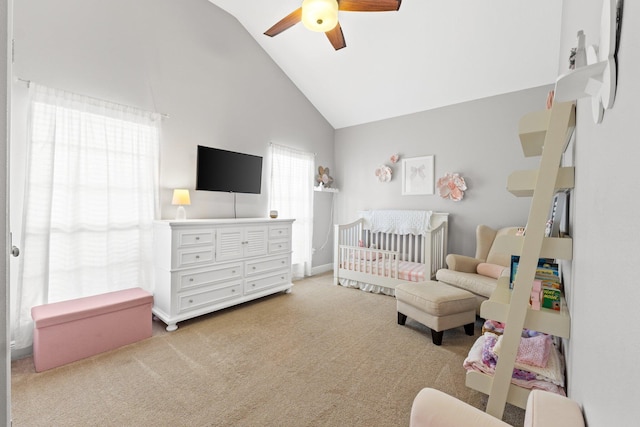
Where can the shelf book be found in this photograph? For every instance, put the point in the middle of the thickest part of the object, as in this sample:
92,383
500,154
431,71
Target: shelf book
548,289
556,223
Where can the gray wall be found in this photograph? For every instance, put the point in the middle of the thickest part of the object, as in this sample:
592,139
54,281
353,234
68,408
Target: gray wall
477,139
603,291
188,59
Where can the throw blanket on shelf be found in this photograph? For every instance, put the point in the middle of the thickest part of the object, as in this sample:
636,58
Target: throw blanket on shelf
550,379
397,221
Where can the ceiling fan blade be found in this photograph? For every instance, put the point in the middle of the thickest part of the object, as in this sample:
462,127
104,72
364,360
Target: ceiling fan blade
368,5
287,22
336,37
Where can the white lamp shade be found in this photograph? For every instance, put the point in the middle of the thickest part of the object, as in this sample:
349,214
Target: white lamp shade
181,197
320,15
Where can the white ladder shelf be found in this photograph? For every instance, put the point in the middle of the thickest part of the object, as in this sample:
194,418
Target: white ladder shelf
546,134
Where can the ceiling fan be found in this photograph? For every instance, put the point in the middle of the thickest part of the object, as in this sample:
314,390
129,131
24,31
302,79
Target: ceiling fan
322,16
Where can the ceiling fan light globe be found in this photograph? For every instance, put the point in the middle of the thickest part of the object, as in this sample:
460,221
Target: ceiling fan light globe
320,15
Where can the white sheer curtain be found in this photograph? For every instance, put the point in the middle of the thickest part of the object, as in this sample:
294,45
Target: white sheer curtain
91,196
291,194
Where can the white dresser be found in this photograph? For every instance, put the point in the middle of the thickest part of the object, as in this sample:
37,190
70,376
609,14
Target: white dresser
204,265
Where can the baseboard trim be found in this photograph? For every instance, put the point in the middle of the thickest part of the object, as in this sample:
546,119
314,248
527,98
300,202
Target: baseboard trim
21,352
319,269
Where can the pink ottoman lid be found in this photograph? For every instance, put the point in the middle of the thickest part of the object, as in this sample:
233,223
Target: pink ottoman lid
68,311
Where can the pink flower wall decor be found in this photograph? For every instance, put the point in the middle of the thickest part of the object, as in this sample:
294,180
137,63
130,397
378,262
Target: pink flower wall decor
394,158
451,186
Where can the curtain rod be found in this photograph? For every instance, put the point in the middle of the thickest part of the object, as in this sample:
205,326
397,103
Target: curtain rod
163,115
291,148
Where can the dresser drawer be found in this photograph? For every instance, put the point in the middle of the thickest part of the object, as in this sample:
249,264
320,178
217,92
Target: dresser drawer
210,296
265,282
193,257
266,265
279,231
189,238
276,246
195,278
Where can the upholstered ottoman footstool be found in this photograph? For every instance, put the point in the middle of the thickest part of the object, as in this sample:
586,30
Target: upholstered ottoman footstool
437,306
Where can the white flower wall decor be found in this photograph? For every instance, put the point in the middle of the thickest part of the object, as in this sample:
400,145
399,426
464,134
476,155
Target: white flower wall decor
383,172
451,186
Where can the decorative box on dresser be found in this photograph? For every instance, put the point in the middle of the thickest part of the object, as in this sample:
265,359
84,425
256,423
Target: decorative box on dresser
205,265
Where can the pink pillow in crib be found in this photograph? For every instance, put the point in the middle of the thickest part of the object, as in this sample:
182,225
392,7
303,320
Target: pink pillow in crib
490,270
369,256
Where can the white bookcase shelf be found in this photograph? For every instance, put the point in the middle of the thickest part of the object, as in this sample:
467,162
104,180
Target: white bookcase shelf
550,321
533,131
595,75
546,134
523,183
483,382
325,190
552,247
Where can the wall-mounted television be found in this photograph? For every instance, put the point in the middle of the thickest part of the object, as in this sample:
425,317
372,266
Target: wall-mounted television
228,171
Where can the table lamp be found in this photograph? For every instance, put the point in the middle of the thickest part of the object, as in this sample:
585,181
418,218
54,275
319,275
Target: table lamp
181,198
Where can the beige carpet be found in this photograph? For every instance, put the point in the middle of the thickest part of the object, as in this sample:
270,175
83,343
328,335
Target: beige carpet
322,355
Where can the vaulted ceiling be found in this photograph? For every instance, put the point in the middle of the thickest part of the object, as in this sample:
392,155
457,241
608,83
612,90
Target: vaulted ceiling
428,54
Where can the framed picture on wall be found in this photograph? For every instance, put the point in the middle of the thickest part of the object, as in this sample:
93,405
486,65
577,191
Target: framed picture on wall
417,175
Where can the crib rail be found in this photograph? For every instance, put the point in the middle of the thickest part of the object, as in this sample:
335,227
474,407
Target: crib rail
353,241
345,235
410,247
436,252
376,262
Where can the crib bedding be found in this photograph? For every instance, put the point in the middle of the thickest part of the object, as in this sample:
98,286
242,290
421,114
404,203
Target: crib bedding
367,287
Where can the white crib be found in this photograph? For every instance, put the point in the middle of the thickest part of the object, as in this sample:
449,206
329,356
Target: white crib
385,248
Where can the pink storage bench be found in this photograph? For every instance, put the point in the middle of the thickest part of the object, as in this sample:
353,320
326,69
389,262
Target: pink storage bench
67,331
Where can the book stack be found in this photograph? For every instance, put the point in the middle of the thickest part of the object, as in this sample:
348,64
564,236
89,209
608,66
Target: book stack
547,286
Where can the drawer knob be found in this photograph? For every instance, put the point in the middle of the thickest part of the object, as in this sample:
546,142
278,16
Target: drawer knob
233,272
282,262
233,290
197,256
197,237
190,301
191,279
254,267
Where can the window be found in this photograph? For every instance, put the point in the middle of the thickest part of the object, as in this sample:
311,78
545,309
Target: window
291,194
91,196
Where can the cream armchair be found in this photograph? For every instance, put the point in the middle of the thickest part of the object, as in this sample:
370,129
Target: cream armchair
479,274
433,408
